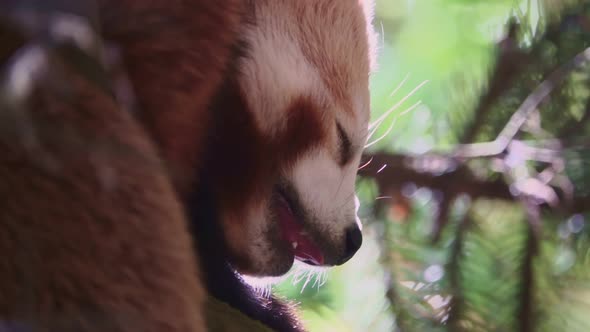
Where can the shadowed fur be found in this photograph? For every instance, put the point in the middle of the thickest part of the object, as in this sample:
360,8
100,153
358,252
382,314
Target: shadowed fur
92,233
73,243
302,92
241,106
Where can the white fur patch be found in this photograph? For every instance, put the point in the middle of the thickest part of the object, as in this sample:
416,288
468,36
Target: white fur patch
275,73
326,190
316,50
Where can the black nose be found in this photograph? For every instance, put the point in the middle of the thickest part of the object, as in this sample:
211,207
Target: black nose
354,239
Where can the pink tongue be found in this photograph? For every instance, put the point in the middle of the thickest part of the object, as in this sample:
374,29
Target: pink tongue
293,233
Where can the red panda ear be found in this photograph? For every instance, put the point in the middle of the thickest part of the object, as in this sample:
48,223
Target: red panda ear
368,7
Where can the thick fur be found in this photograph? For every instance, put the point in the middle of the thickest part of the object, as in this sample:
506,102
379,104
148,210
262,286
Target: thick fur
175,53
79,206
304,73
92,232
301,66
221,279
93,225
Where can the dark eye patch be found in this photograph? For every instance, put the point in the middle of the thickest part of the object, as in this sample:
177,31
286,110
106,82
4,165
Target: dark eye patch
345,145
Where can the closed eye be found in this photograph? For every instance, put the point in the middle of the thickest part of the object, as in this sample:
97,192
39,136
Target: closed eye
345,145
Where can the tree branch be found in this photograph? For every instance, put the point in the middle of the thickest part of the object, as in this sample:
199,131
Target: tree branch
526,310
530,104
510,63
447,175
453,268
435,172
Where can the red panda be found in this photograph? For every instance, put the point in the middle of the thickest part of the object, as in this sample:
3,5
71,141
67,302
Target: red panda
290,123
293,122
259,112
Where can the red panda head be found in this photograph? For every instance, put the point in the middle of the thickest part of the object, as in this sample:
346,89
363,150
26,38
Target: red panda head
295,131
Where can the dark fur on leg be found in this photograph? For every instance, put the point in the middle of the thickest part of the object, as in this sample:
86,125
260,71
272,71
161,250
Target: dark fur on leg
221,280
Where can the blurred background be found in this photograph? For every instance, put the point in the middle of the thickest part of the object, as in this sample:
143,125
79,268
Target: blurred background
475,193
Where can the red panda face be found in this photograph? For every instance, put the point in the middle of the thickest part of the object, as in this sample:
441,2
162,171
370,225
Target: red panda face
304,92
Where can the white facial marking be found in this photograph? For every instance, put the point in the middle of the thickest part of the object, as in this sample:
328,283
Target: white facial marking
293,54
326,190
275,73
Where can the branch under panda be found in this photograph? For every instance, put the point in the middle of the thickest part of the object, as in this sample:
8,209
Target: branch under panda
447,175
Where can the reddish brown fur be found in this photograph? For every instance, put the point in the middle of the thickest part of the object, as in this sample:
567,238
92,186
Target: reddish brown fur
241,176
308,62
334,69
82,254
175,53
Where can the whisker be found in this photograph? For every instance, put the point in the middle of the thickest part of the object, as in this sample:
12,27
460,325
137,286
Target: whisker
297,277
399,85
324,278
306,281
383,197
366,164
309,275
320,279
393,124
373,127
394,107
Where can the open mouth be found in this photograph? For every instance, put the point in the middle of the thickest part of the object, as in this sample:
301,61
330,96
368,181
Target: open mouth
293,231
